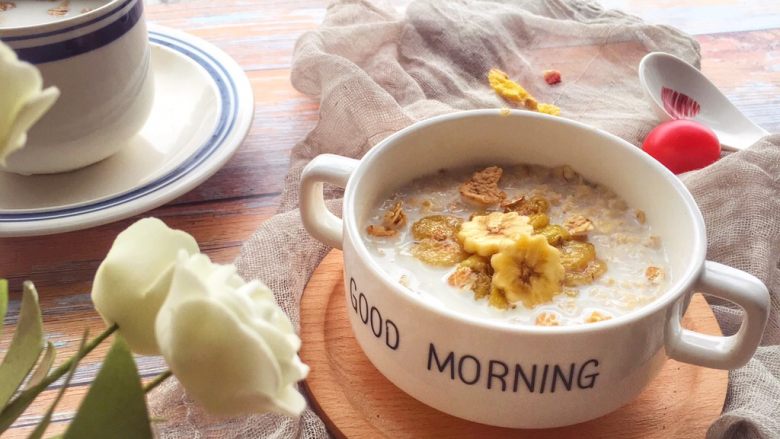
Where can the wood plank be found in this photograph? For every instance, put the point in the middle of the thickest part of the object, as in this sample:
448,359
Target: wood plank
244,28
699,17
65,316
746,67
62,261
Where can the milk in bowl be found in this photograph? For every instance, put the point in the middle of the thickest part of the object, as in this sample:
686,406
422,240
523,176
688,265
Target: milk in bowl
526,244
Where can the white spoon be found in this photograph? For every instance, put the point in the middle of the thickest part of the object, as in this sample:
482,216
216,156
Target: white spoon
678,90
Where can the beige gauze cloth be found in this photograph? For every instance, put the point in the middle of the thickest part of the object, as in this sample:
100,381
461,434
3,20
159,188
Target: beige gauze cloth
376,70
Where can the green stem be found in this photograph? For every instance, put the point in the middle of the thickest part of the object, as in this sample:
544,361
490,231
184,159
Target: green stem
63,368
157,381
23,400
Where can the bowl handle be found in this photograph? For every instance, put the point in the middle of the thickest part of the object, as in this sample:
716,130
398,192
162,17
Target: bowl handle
720,352
317,219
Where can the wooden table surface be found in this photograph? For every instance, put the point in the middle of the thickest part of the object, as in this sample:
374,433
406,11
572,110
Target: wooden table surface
740,44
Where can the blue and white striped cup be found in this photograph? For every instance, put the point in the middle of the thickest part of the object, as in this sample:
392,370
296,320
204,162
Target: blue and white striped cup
100,62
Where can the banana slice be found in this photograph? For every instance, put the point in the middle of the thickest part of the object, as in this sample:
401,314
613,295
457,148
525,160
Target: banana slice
439,253
438,227
528,270
486,234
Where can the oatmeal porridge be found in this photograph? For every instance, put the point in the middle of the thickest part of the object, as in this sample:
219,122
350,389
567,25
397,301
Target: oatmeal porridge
526,244
17,13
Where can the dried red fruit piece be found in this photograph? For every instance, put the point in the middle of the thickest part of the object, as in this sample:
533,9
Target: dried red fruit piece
552,77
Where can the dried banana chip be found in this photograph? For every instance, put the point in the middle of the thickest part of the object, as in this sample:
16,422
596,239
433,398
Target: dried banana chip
529,270
550,109
510,90
486,234
513,92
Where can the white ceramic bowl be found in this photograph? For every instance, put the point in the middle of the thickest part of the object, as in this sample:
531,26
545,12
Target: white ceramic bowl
525,376
100,62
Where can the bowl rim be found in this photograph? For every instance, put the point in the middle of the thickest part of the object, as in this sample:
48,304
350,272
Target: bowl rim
673,292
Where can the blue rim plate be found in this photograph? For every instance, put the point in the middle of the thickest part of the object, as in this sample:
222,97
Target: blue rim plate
232,109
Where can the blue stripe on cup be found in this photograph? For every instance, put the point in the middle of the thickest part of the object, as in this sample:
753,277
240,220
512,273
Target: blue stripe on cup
227,119
82,44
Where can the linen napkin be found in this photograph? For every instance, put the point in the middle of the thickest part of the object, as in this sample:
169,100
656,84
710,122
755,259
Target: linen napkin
376,70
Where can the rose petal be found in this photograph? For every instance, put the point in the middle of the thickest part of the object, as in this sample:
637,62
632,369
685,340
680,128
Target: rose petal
133,280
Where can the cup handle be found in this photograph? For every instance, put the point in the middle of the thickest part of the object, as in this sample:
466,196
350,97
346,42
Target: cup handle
720,352
317,219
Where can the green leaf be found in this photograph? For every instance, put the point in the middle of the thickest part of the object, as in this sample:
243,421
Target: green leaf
26,345
40,429
43,367
23,400
115,405
3,302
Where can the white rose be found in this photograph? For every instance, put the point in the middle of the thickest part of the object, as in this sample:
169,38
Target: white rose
133,280
228,343
22,102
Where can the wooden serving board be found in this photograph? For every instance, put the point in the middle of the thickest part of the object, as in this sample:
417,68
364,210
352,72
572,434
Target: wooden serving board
356,401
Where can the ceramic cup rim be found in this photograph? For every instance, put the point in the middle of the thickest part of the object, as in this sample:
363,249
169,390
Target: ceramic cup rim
32,30
673,292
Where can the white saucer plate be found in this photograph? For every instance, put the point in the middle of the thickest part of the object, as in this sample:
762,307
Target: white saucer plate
202,112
